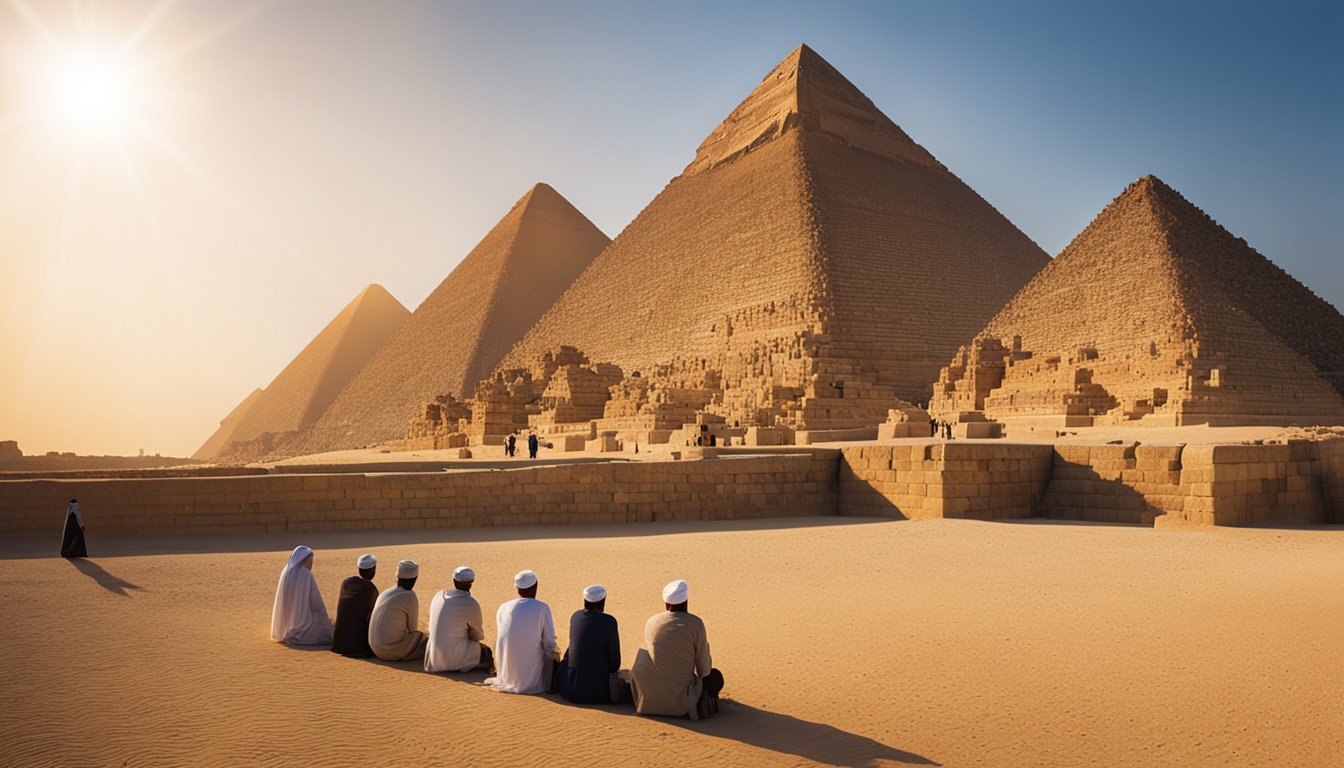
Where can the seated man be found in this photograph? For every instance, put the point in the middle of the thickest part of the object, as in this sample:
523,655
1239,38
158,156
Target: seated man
675,675
594,653
394,633
299,617
526,639
455,629
353,609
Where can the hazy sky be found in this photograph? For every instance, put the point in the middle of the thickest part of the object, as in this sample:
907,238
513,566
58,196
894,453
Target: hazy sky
171,238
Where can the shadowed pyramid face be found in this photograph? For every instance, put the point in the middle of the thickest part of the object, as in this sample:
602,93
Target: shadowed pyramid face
1155,314
810,243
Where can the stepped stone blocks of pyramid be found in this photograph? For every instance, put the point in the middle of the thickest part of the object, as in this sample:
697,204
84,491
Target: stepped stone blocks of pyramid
812,265
462,330
212,446
1154,315
311,381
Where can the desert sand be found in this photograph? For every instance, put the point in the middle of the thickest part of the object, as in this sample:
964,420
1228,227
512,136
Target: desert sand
850,642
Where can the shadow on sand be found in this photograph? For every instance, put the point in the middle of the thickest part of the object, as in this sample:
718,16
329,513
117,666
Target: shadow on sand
105,580
210,543
785,734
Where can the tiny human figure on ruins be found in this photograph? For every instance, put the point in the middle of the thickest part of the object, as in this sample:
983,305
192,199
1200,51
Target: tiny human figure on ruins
532,444
511,445
933,427
72,538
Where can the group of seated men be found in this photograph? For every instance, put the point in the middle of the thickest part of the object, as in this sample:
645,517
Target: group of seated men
673,673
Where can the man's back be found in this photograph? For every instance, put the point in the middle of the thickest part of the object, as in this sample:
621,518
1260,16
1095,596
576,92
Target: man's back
353,609
668,670
526,637
393,627
455,632
594,653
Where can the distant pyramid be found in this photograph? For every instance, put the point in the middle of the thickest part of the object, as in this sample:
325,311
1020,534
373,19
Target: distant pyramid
311,381
457,336
1155,314
211,448
810,253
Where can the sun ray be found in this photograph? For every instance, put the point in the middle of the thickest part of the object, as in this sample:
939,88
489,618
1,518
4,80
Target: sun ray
145,26
34,20
239,19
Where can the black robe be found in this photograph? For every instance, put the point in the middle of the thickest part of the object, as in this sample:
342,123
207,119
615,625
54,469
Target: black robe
594,653
353,609
72,539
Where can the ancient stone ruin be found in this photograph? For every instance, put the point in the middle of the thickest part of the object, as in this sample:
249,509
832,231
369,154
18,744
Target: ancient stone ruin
1154,315
810,269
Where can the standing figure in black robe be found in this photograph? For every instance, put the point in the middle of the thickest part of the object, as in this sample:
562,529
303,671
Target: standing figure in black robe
72,540
585,674
353,609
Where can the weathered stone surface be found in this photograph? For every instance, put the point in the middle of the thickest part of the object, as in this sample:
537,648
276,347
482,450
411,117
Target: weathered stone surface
1155,314
809,268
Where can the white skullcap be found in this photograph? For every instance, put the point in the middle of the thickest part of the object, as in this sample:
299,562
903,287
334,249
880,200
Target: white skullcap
676,592
463,573
407,569
366,562
595,593
525,580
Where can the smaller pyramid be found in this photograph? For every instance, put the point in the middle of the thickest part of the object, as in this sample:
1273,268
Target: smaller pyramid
313,379
1155,315
466,326
210,449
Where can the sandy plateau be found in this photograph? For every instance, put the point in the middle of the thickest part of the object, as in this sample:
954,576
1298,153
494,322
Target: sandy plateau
848,642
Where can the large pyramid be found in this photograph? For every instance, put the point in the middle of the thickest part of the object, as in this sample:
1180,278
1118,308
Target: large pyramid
212,446
1155,314
811,254
457,336
313,379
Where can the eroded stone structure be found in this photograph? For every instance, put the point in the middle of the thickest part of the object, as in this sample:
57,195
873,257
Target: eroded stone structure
1154,315
809,268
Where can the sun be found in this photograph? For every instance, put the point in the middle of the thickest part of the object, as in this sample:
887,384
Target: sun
89,94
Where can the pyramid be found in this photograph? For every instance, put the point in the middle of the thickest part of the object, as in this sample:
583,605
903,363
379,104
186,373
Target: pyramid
1155,314
311,381
210,449
811,258
460,332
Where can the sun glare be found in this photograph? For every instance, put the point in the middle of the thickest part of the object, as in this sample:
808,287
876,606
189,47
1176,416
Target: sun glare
90,94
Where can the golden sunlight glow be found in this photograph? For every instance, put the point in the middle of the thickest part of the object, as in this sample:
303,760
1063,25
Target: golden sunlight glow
90,94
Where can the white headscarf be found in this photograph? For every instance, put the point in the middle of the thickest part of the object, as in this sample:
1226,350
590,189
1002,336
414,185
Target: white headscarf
299,616
74,507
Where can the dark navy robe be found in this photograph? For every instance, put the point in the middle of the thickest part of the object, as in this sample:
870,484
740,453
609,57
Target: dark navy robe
594,653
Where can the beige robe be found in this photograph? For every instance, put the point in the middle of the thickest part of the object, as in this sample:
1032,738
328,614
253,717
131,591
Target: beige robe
667,671
394,627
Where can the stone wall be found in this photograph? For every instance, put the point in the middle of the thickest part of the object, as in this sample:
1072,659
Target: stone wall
931,480
715,489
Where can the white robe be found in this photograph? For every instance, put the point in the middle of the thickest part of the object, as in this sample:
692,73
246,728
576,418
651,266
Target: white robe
527,643
455,632
299,616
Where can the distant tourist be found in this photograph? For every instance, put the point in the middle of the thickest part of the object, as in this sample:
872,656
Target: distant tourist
532,444
394,631
456,629
72,538
674,674
588,670
299,616
933,428
353,609
525,635
511,445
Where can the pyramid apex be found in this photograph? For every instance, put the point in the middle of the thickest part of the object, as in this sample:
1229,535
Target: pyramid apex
804,91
